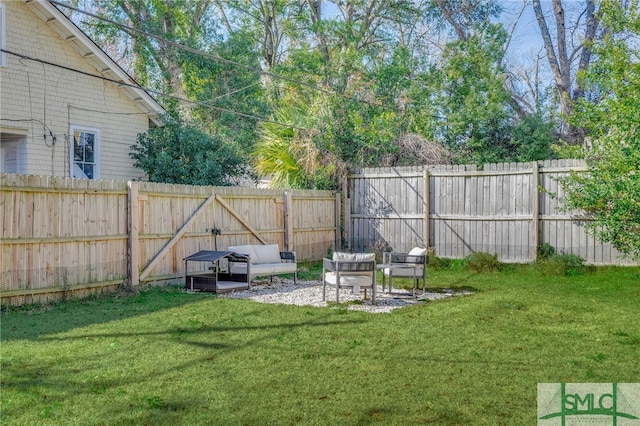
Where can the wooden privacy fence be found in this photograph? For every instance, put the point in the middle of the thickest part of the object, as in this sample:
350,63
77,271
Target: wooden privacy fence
506,209
63,236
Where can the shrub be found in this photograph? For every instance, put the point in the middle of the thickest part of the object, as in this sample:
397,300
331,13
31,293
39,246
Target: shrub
563,264
182,153
439,263
482,262
545,251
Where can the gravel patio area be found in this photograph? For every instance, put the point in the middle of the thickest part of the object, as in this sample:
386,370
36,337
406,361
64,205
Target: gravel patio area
309,293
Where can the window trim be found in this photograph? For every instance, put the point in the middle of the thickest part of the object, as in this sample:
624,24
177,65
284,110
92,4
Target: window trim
96,155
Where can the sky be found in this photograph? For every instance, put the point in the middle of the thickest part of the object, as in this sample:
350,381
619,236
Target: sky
527,34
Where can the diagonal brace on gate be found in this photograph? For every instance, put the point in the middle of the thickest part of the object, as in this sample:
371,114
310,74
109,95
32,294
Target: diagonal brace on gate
156,259
241,219
147,270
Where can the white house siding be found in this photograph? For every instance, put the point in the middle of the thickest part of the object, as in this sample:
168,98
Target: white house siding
61,98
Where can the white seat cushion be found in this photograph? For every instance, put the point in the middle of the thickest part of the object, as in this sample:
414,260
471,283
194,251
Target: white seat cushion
349,280
262,269
405,272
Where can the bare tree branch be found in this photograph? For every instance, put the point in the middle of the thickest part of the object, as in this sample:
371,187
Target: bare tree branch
223,14
448,15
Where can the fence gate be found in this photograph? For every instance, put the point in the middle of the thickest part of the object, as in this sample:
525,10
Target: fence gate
170,222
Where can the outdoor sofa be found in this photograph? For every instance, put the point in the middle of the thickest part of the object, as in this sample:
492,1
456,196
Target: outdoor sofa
264,260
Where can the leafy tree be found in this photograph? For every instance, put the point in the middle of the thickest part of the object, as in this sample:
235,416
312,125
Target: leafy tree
377,83
201,90
353,120
180,153
533,139
220,89
468,88
157,61
610,192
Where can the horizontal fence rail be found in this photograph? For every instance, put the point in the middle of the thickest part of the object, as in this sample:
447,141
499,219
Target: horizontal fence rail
64,237
506,209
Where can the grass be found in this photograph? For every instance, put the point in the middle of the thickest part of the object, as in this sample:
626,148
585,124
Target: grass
168,357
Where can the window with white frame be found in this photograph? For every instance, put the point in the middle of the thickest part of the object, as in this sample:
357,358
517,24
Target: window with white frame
9,157
85,152
3,36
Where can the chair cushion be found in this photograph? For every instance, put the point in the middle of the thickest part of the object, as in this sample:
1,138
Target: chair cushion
405,272
349,280
354,257
352,269
416,251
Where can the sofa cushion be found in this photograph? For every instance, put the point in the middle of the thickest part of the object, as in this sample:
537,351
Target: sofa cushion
245,249
264,268
284,268
269,253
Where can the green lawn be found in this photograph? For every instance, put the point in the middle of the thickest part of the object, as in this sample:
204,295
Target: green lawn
168,357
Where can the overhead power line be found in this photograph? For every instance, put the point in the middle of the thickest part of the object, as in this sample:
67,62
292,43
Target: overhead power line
151,91
217,58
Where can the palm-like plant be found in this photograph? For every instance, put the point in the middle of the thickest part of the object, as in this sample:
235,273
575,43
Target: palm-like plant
288,156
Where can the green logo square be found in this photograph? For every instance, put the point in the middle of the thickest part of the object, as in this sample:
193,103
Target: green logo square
566,404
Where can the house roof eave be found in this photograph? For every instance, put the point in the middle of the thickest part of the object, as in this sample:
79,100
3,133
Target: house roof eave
102,62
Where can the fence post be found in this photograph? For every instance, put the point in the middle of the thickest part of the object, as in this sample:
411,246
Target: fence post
338,216
133,247
288,222
426,206
346,211
535,170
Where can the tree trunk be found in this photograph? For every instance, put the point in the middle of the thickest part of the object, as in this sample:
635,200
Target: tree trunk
316,17
560,61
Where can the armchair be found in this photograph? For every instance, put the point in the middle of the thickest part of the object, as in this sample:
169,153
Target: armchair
349,270
406,265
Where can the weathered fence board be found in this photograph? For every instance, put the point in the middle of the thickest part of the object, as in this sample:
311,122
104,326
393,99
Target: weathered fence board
506,209
66,236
